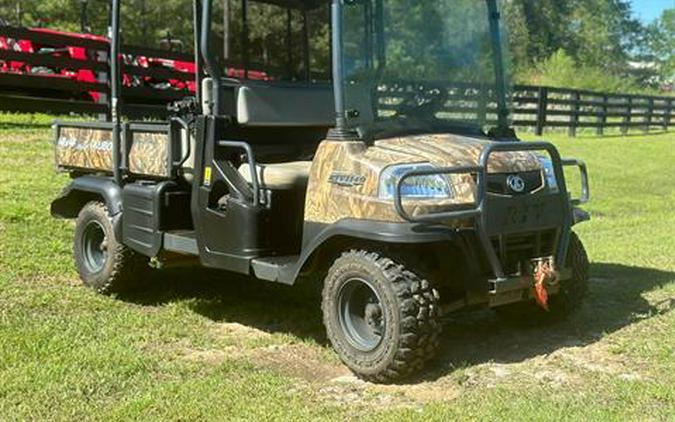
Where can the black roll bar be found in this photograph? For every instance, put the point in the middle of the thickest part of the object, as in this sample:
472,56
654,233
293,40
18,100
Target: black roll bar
338,71
245,37
196,12
115,88
498,60
211,66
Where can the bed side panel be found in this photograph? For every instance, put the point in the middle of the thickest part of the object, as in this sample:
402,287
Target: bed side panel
149,154
84,148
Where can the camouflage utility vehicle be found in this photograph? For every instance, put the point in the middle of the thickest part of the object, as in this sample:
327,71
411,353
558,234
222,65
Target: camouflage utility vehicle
397,182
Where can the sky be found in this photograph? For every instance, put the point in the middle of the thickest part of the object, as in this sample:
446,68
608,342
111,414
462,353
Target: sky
648,10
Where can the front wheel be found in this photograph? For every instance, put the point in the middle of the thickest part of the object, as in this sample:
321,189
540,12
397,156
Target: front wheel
102,261
380,317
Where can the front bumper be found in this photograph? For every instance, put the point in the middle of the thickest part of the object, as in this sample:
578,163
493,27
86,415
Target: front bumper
496,216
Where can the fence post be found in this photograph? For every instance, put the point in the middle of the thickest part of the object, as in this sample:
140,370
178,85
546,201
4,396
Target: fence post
574,117
667,114
650,115
627,117
542,106
482,105
602,116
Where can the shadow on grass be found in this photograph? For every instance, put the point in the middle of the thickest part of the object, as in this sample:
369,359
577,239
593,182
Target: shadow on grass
23,126
615,301
227,297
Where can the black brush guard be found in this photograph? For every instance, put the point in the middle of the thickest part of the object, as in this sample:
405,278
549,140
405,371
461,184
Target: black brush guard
495,215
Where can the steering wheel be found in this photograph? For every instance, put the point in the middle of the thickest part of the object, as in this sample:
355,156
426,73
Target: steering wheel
426,101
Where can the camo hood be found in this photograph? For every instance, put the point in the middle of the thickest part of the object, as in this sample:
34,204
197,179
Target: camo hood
448,150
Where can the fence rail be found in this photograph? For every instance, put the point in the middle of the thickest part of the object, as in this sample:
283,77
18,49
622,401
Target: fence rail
546,107
53,76
51,72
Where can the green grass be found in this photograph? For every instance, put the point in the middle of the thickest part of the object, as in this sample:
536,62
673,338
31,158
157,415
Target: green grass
199,345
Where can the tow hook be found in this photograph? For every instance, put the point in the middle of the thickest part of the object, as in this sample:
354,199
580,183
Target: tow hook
544,275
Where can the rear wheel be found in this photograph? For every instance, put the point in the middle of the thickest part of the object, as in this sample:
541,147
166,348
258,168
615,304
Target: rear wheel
104,264
380,318
569,298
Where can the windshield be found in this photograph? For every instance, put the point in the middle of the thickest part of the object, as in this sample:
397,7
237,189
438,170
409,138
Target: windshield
422,66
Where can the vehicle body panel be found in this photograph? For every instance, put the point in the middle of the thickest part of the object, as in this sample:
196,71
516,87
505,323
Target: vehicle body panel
329,202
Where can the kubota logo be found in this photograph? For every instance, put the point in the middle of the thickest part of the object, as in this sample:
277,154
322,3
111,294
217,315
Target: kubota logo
515,183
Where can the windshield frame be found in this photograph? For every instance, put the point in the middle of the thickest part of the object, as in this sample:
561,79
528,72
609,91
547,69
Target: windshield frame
379,54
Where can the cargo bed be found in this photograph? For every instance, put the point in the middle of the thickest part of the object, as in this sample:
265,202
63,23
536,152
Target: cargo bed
147,149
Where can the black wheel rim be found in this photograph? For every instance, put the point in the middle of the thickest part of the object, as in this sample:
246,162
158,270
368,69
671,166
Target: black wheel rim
360,313
94,247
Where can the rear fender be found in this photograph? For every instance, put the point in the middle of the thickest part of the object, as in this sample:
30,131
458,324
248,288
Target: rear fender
85,189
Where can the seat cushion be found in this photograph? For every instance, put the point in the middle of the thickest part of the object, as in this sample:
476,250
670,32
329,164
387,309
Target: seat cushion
280,176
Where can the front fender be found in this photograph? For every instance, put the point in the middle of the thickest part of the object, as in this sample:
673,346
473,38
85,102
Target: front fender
317,235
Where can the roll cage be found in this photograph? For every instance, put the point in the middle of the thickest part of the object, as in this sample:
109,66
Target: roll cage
374,33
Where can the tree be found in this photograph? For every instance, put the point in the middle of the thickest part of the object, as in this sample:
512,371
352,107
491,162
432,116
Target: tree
662,44
597,33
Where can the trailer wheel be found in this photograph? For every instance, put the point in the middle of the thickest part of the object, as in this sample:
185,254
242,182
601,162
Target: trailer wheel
380,318
104,264
569,298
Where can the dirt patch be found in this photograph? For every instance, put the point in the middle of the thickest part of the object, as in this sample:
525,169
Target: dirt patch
208,357
566,367
294,360
349,390
237,336
240,333
427,392
360,398
664,306
316,372
299,361
320,374
596,358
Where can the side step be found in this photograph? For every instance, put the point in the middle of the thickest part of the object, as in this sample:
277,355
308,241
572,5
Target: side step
182,241
276,268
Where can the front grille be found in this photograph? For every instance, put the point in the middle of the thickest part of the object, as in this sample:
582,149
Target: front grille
513,249
497,183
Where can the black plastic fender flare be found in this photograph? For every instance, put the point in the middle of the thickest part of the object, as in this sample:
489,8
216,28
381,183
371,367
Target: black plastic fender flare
85,189
318,234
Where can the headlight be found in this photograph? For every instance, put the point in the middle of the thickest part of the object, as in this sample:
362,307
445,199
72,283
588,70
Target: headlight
434,186
549,172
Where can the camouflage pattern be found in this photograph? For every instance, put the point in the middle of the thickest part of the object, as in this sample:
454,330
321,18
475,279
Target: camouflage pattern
149,154
84,148
90,149
328,203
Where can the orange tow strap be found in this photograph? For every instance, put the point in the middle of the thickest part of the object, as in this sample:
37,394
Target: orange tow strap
544,275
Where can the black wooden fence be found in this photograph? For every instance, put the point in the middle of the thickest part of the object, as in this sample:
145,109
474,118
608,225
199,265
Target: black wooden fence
544,107
534,106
